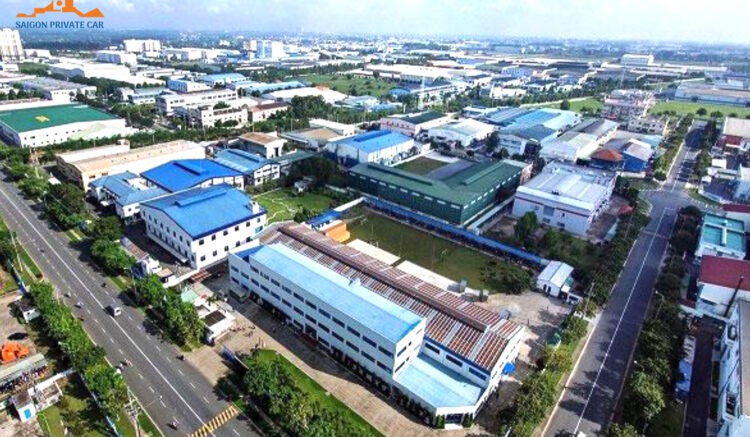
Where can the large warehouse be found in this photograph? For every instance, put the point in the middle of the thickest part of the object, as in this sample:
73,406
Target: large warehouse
411,339
569,197
44,126
455,198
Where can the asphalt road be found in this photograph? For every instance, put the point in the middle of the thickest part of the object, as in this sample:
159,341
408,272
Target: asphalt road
169,389
589,400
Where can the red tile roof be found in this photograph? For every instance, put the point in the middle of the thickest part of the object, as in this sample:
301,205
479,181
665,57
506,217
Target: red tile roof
735,207
724,272
607,155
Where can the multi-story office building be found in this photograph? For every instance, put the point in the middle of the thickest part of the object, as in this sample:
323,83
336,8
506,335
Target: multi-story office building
409,338
11,49
142,45
266,49
649,125
187,86
199,226
167,103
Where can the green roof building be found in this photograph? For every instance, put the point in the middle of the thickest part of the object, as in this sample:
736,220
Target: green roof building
45,125
455,198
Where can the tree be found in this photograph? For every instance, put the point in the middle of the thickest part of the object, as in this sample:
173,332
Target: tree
503,154
525,226
149,290
110,255
493,140
108,228
33,187
701,111
646,396
622,430
565,105
716,114
683,241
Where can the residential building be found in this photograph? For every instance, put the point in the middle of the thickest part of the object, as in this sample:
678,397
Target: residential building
412,125
461,133
126,191
400,330
116,57
211,115
83,166
141,45
721,282
732,408
622,105
565,196
184,174
721,236
649,125
257,169
11,48
607,159
456,199
199,226
266,145
379,146
58,90
143,96
43,126
264,110
166,103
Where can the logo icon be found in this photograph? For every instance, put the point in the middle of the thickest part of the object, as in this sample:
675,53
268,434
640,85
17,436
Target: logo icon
63,7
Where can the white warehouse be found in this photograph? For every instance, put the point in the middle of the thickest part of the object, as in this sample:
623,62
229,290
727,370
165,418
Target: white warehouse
566,196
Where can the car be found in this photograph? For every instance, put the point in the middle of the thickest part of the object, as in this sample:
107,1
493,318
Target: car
114,311
18,336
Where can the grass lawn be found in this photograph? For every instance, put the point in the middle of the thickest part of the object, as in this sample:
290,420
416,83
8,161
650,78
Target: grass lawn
437,254
592,103
642,184
77,412
343,83
7,283
75,235
683,108
283,204
421,166
315,391
693,192
668,422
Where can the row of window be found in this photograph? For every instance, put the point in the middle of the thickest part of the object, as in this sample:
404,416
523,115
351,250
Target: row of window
455,361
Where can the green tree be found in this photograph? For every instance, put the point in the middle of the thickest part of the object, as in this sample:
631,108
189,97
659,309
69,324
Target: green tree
565,105
622,430
33,187
701,111
107,228
646,396
110,255
493,140
526,226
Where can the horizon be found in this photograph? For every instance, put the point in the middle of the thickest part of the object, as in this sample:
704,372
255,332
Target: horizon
666,21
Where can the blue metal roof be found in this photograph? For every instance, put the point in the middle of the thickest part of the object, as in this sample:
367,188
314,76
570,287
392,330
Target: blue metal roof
204,211
375,140
438,385
187,173
240,160
371,310
125,192
221,77
324,218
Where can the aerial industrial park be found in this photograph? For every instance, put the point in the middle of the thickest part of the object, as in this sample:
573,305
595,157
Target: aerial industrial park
268,231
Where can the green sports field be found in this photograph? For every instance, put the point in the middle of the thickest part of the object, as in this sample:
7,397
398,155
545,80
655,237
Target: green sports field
421,166
684,108
348,83
283,204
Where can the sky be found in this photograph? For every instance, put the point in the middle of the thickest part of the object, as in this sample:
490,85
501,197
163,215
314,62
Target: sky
671,20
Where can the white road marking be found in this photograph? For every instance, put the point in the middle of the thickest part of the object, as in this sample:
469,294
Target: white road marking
163,405
140,376
619,322
180,372
235,431
192,385
120,351
151,389
93,296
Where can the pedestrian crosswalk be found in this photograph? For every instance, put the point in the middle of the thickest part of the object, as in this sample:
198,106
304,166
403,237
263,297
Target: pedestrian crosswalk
216,422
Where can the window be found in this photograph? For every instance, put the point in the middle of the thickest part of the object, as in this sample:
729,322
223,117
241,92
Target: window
366,355
324,313
454,360
337,321
353,331
215,252
309,319
477,373
323,327
255,282
276,296
285,288
298,311
311,305
226,233
383,366
432,348
401,351
337,337
264,288
275,282
203,258
226,248
385,352
298,297
368,341
353,347
236,228
400,366
286,302
213,238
